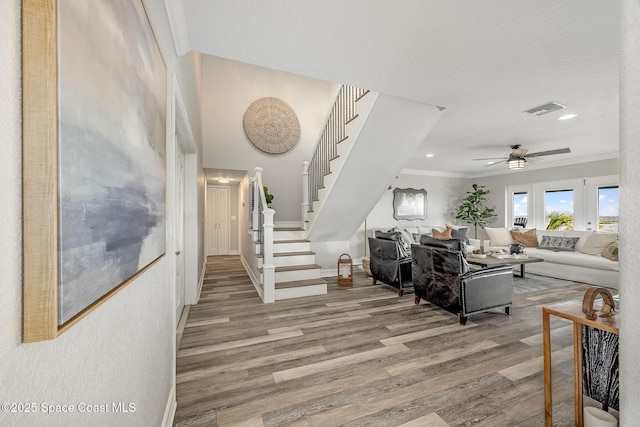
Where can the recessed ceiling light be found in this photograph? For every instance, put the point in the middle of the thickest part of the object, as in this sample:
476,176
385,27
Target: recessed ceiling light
429,155
223,179
567,116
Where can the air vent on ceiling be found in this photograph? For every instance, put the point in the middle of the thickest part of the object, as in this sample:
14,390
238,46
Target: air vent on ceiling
546,108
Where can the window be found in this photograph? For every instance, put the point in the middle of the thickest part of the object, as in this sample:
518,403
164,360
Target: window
608,208
558,209
520,209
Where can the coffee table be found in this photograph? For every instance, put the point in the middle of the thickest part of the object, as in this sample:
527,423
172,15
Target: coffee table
489,261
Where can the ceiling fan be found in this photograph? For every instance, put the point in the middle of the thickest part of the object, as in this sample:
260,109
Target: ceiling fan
519,156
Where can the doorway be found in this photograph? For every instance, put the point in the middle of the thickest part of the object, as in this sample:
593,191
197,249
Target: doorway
180,270
217,220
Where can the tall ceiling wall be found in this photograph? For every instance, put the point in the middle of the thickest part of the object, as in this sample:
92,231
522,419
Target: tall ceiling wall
229,87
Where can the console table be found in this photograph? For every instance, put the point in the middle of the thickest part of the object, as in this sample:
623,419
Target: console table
571,310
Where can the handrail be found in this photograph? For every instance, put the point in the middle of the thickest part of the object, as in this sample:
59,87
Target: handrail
334,132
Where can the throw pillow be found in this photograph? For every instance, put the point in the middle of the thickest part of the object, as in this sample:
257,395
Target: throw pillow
527,238
446,234
460,233
611,253
557,243
499,236
387,235
598,242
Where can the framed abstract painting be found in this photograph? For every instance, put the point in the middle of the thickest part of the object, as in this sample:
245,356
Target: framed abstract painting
94,138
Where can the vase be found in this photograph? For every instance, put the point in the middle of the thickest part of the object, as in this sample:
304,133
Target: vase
594,417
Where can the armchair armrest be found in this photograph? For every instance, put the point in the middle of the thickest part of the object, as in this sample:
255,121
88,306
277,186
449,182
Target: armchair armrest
488,287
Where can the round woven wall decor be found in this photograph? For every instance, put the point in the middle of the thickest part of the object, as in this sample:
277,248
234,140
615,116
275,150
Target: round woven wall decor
271,125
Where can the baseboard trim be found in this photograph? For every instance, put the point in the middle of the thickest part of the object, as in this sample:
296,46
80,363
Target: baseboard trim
202,273
170,408
254,280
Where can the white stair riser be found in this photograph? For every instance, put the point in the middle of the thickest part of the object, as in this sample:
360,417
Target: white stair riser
301,291
283,261
291,247
287,247
288,234
290,276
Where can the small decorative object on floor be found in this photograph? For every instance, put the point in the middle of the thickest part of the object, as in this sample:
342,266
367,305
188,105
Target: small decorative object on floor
608,305
345,270
366,265
594,417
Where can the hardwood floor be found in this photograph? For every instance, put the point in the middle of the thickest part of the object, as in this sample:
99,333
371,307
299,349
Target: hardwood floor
362,356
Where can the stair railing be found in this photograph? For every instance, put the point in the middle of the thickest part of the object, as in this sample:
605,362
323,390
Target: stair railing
334,132
262,223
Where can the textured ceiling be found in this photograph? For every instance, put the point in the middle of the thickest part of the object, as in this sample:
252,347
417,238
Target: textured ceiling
485,62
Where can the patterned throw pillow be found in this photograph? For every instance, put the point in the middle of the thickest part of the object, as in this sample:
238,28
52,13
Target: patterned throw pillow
527,238
557,243
460,233
611,253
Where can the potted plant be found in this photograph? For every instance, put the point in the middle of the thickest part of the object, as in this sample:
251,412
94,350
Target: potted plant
474,209
268,197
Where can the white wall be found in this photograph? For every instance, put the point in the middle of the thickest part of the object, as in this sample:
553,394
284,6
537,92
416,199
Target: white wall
123,350
443,196
229,87
629,212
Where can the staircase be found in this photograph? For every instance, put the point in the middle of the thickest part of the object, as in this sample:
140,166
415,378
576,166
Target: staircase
296,271
367,139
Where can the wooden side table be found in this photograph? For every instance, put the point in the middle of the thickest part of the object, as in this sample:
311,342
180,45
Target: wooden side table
571,310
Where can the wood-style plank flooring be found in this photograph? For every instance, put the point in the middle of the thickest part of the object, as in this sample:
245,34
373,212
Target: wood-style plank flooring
362,356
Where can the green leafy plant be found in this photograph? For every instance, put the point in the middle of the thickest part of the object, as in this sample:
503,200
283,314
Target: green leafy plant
474,209
560,221
268,196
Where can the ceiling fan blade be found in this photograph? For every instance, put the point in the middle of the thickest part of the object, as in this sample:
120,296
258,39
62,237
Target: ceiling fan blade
492,158
495,163
548,153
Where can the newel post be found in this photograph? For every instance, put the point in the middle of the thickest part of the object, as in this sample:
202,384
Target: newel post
305,193
268,269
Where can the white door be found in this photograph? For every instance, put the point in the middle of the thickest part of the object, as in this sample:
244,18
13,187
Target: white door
218,221
180,285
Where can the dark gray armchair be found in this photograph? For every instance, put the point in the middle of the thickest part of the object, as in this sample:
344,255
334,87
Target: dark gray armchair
389,263
442,277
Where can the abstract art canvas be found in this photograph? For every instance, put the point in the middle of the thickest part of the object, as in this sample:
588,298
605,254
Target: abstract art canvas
111,149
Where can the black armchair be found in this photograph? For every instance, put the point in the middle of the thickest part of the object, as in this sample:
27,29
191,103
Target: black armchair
389,263
442,277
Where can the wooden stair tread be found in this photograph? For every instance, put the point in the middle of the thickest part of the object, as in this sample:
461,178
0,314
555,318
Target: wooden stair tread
286,241
300,283
280,254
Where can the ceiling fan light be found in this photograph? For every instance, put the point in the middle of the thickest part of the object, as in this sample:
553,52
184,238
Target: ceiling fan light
515,164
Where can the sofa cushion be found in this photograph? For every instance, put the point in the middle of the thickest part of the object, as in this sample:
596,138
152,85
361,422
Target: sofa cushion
577,259
527,238
598,242
499,236
611,252
557,243
446,234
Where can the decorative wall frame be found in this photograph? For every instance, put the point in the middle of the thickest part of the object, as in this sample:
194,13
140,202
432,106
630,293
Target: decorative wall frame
409,203
94,142
271,125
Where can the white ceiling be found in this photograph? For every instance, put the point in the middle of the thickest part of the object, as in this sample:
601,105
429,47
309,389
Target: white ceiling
485,62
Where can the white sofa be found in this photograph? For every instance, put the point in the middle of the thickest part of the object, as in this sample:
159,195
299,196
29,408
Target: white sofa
575,265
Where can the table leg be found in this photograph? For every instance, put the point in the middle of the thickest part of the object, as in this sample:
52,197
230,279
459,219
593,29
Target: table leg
546,354
522,270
